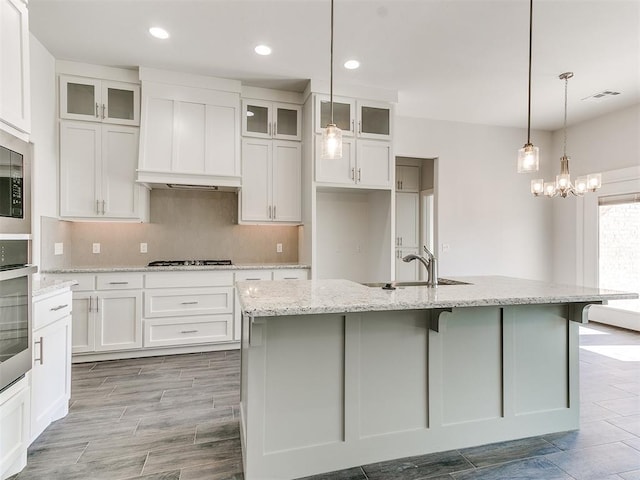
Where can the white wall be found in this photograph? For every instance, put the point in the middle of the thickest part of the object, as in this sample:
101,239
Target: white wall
485,213
44,138
610,142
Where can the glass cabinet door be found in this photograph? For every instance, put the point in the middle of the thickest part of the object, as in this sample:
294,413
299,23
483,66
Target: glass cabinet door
343,114
287,121
256,118
374,120
80,98
120,103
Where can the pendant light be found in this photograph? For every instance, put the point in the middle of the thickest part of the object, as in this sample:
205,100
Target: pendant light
528,154
332,135
563,186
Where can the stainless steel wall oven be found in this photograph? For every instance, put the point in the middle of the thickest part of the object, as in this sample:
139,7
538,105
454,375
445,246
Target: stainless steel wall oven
15,271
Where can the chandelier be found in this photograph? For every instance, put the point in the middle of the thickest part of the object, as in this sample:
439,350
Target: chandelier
563,186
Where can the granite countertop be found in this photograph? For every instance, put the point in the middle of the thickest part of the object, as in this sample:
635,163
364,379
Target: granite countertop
43,286
300,297
145,269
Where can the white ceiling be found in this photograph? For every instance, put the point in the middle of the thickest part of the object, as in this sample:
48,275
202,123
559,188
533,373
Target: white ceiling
458,60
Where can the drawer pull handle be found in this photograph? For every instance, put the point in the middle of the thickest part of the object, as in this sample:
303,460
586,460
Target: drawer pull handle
189,331
290,278
40,342
247,279
118,283
189,303
59,307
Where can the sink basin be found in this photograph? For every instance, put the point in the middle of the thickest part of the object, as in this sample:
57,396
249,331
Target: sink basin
392,285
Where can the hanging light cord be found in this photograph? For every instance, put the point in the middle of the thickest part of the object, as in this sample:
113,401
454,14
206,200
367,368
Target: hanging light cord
566,83
331,77
530,57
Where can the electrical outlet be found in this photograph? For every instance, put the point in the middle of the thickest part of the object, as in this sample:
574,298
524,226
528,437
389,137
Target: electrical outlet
278,248
58,248
445,247
96,248
143,247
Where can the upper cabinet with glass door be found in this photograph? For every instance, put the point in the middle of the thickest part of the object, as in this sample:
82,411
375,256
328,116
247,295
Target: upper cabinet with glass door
363,119
264,119
95,100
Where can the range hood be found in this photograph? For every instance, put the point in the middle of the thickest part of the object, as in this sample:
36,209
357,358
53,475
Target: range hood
186,181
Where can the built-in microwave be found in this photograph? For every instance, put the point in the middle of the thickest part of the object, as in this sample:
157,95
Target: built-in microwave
15,185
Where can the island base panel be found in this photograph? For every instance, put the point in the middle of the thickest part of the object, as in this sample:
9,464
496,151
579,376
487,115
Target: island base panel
327,392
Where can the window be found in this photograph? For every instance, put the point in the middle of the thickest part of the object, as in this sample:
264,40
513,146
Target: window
619,246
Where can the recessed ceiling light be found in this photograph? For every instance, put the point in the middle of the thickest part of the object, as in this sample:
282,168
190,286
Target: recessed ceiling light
263,50
158,32
351,64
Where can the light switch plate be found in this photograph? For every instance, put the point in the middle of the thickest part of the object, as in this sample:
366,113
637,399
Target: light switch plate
58,248
96,248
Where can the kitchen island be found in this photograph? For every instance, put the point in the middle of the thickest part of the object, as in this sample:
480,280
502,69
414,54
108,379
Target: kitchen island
337,374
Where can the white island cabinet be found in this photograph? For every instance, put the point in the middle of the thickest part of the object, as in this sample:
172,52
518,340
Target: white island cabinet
336,374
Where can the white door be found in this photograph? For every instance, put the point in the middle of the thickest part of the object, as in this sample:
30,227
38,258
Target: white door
50,377
287,121
407,220
15,106
374,163
407,178
119,320
119,162
83,322
256,180
344,114
340,171
80,150
80,98
256,118
287,181
374,120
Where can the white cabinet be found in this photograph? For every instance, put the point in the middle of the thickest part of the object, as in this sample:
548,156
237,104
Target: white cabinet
188,308
271,181
51,373
97,100
362,118
98,170
189,135
407,178
291,274
15,105
110,318
407,231
264,119
407,271
364,163
14,427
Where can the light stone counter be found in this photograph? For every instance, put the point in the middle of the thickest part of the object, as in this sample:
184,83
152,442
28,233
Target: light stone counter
182,268
300,297
44,286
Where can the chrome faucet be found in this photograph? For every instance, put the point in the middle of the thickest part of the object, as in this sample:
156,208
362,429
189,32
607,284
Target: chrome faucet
430,263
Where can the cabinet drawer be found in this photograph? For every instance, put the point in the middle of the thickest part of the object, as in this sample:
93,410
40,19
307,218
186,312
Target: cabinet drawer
119,281
186,331
50,309
188,301
247,275
188,279
291,274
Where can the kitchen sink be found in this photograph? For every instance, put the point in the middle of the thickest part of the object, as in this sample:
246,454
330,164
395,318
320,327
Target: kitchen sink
424,283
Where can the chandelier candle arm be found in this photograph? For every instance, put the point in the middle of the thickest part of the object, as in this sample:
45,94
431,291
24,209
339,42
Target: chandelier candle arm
528,155
332,135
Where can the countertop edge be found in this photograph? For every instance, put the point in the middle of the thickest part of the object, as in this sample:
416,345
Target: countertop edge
190,268
44,286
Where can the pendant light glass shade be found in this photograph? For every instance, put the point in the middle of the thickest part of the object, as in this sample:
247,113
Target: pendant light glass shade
528,155
528,159
331,143
331,135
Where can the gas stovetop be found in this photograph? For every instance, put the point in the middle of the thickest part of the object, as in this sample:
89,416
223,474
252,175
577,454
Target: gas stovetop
187,263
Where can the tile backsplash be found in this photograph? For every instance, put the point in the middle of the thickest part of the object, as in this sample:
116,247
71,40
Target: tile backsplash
184,225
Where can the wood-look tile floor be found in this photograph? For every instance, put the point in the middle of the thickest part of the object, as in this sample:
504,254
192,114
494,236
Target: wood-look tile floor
176,418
